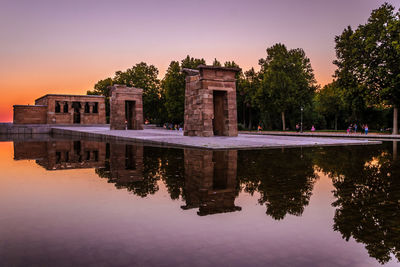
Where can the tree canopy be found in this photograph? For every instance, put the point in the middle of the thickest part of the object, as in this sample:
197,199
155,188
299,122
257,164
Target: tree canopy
368,59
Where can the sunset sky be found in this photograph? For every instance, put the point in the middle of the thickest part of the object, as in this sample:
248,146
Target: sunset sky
67,46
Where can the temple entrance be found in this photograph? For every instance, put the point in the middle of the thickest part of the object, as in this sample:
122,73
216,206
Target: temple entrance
130,114
219,117
77,112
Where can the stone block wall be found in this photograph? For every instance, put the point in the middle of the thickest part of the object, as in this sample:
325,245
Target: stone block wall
67,116
199,116
26,114
119,95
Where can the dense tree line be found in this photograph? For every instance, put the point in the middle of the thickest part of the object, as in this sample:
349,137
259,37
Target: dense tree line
365,89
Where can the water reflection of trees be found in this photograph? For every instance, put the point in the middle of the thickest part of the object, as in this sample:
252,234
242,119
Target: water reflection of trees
139,169
367,192
284,179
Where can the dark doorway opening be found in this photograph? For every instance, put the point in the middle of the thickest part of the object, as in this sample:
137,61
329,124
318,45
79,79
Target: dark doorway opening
77,112
130,157
130,114
220,179
219,116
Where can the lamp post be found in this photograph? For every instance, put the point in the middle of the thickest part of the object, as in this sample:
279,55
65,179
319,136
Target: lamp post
301,123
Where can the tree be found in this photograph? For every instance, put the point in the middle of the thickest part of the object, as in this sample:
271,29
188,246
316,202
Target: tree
192,63
141,76
288,80
370,56
248,84
216,63
173,86
329,102
102,88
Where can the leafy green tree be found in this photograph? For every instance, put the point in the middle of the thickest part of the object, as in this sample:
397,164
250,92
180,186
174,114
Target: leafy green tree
288,80
216,63
173,86
369,57
192,63
143,76
247,87
329,102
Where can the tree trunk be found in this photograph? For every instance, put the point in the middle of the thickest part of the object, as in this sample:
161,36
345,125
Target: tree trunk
395,126
250,125
336,117
283,121
394,150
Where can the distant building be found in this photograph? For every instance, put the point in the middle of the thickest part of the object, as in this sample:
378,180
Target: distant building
62,109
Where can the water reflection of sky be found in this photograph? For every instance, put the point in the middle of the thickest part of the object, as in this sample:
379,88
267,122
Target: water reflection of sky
73,217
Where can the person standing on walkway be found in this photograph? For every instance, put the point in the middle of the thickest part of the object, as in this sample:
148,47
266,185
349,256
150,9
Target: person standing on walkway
297,127
312,128
366,129
355,128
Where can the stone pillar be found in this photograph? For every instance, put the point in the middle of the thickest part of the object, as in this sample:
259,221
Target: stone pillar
209,90
91,107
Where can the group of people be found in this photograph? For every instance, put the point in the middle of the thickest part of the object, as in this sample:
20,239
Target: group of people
298,128
353,128
170,126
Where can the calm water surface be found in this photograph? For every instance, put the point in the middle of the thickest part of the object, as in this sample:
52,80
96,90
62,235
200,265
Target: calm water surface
75,203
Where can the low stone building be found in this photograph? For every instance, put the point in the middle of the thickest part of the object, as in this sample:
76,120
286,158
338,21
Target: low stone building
62,109
210,101
126,108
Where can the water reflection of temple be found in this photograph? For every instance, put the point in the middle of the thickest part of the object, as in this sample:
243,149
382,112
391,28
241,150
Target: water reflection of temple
125,164
65,154
210,181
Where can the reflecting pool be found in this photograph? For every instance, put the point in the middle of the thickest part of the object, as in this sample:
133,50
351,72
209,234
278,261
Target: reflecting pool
66,202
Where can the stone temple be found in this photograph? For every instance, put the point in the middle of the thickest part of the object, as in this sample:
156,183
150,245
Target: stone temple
62,109
210,101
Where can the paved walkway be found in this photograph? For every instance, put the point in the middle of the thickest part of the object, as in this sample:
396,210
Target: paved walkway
176,138
326,134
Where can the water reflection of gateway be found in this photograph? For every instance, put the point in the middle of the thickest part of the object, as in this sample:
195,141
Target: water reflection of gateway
210,181
58,155
126,164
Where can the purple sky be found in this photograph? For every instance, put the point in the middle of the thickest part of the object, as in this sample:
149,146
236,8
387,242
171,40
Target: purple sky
67,46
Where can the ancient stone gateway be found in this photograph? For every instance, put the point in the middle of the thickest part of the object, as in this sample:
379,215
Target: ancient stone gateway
126,108
210,101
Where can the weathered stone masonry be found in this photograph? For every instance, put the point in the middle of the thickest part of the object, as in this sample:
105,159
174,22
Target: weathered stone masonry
126,108
62,109
210,101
